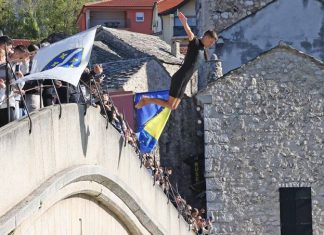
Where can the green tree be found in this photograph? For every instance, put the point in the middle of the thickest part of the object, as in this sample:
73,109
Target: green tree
36,19
7,16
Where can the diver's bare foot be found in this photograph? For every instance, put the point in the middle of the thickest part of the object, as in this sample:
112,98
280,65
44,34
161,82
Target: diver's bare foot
141,103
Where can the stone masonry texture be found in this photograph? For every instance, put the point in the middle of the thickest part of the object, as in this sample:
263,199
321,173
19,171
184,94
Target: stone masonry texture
182,148
220,14
264,130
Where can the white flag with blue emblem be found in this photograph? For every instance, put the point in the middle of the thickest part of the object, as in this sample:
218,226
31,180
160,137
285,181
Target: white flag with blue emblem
64,60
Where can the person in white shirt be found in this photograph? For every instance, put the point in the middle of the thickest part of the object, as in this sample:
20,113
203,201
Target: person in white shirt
6,46
18,61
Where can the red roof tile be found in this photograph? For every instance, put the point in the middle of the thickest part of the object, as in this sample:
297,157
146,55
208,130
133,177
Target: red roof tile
165,5
122,3
25,42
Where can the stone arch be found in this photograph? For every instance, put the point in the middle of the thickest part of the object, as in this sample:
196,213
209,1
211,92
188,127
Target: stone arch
93,181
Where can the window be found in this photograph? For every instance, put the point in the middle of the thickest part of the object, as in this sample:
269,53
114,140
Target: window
178,29
139,16
296,211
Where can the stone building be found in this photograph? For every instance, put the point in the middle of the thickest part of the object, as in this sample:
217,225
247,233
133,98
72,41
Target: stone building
302,28
264,155
171,28
137,62
249,28
219,15
223,13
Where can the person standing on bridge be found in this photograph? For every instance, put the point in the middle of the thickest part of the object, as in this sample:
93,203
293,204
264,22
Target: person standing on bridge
181,78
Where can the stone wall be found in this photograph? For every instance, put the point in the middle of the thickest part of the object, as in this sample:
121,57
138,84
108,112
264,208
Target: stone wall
221,14
264,125
182,148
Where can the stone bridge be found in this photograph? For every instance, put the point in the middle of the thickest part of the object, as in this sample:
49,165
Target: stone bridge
71,175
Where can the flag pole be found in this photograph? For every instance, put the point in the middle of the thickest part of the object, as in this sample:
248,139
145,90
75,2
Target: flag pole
7,83
58,98
40,93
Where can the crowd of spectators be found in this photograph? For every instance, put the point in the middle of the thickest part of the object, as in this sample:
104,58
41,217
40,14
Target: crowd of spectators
197,219
12,71
42,93
16,62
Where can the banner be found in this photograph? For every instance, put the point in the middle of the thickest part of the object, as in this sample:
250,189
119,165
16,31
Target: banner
151,120
64,60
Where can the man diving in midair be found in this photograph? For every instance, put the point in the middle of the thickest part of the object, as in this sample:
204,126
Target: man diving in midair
181,78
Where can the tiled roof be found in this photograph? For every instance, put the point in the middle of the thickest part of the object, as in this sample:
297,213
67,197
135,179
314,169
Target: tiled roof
280,46
130,45
137,75
102,53
123,54
122,3
118,72
166,5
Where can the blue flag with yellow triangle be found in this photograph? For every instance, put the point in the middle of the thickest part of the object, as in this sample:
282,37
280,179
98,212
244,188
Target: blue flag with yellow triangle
151,120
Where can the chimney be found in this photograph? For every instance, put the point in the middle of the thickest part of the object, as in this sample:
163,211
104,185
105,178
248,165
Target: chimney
175,48
216,70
